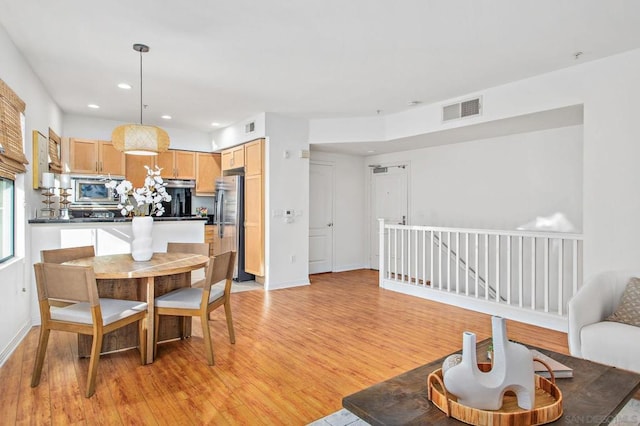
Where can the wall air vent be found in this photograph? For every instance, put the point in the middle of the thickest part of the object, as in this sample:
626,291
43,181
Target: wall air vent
250,127
463,109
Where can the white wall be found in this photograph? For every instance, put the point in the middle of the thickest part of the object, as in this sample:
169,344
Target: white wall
497,183
286,188
81,126
607,88
235,134
349,229
41,113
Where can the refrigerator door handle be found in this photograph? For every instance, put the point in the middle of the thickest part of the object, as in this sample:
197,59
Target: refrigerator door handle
220,214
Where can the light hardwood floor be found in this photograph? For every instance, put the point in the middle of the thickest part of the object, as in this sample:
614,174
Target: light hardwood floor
298,352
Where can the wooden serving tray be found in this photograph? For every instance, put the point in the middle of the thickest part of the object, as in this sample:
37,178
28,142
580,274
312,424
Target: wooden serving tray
548,404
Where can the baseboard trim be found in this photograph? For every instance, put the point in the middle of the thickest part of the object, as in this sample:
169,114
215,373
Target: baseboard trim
13,344
352,267
289,284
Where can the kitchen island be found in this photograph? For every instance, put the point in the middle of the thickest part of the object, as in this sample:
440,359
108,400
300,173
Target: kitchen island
108,236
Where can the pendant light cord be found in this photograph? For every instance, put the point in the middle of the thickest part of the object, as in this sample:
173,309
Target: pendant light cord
141,87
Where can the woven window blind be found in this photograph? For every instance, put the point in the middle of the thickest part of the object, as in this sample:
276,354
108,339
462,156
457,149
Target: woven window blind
12,158
55,165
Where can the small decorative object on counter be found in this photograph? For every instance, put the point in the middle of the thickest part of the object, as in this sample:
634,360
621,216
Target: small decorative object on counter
48,185
512,370
202,211
148,202
65,186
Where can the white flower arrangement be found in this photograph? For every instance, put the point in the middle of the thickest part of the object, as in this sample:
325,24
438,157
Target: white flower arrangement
148,199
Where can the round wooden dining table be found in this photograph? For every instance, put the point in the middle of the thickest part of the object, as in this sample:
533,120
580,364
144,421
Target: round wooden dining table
119,276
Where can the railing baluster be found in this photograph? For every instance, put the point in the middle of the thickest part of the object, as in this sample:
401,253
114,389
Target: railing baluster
477,263
402,259
431,249
395,252
388,253
533,273
560,275
497,268
440,260
575,267
486,266
546,274
466,257
508,270
448,261
424,257
457,262
520,272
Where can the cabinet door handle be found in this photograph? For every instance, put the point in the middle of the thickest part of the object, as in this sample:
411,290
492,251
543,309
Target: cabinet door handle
97,167
101,166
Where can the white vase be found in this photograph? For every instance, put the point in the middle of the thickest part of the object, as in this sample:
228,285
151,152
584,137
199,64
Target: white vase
142,244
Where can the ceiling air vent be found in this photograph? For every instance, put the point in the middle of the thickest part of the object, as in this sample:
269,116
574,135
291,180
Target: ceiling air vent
463,109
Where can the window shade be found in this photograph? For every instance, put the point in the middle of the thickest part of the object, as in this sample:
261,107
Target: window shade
12,158
55,165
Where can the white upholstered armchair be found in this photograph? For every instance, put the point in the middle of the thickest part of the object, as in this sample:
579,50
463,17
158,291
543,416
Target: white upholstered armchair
592,338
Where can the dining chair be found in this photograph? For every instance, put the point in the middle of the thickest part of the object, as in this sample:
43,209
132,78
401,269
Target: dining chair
66,254
199,302
88,314
195,248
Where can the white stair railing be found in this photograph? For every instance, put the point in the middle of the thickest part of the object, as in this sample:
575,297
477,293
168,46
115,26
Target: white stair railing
512,273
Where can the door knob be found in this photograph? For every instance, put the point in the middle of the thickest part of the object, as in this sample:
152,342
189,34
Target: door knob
330,224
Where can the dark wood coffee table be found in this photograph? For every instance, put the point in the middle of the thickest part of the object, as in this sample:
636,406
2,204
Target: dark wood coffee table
594,395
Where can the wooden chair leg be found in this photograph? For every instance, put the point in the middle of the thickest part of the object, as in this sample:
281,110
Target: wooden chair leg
156,327
142,344
42,350
227,312
93,364
206,335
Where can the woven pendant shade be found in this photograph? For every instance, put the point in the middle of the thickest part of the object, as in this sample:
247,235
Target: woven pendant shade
138,139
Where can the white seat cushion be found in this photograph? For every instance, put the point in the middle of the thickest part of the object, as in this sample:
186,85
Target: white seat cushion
612,343
112,310
186,298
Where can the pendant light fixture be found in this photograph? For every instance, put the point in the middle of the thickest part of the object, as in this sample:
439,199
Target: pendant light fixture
138,139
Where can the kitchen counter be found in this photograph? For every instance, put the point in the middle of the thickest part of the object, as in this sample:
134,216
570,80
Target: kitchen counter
113,219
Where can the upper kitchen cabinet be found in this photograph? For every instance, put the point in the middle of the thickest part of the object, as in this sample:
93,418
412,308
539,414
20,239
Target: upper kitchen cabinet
177,164
253,157
233,158
207,170
135,171
95,157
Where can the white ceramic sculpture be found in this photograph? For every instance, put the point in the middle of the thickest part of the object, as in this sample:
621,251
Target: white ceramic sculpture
512,370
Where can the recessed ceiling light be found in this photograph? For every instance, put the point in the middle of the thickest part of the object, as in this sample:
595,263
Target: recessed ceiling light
413,103
124,86
93,106
371,151
166,117
215,124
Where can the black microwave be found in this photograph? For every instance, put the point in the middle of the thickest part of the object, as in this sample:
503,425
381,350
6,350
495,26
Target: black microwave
93,191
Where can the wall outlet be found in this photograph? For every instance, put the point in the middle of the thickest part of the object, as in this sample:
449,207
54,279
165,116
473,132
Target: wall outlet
293,258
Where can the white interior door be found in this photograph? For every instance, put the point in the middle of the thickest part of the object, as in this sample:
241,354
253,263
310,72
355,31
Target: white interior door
389,201
320,218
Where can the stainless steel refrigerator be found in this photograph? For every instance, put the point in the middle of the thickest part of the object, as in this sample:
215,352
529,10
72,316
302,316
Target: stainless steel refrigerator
230,220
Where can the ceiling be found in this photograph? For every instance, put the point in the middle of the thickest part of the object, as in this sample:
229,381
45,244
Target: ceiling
223,61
